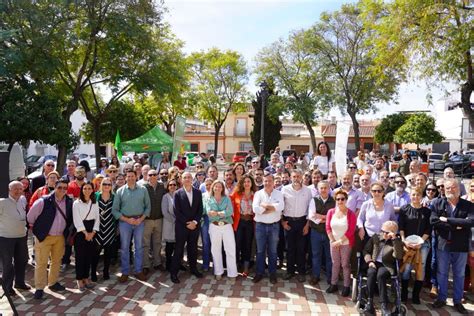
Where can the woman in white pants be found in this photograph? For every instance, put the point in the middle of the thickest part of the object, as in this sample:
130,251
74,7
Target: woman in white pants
219,209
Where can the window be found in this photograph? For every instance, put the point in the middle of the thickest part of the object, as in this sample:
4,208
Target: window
241,127
210,148
194,146
245,146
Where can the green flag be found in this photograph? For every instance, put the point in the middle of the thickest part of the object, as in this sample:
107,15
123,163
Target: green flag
117,145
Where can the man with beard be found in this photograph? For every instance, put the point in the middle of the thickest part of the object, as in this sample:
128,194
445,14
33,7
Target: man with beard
229,181
295,223
399,197
163,175
453,218
258,177
74,187
316,177
378,168
285,178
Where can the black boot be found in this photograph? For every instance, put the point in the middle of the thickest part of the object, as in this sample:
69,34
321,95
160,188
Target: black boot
416,292
404,295
369,307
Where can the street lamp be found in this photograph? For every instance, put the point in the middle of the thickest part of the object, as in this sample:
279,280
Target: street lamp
264,95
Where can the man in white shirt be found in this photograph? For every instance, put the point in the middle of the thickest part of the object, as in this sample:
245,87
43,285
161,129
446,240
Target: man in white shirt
268,204
296,197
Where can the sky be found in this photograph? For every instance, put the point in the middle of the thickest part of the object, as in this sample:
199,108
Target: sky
247,26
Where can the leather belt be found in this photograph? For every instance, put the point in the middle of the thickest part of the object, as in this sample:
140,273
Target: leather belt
246,217
220,223
294,219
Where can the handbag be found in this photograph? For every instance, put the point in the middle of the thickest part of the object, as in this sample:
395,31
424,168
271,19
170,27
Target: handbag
73,231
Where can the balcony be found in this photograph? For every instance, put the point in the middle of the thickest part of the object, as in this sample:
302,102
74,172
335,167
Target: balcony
239,132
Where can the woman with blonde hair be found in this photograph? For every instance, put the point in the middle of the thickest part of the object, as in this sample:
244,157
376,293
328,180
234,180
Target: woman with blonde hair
219,209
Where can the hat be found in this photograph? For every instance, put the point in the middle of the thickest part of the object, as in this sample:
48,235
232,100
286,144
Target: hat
111,168
393,174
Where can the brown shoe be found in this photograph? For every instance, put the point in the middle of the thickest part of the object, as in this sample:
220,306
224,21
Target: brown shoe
123,278
146,271
141,276
434,292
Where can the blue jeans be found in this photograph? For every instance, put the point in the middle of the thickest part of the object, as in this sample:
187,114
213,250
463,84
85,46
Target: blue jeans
458,262
320,245
425,249
434,259
267,237
206,242
126,232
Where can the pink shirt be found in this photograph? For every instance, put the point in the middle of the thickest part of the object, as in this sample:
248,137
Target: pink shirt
59,224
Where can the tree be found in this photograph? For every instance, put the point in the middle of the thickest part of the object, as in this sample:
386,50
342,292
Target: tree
298,77
418,129
96,46
341,38
431,38
124,116
272,125
218,86
385,131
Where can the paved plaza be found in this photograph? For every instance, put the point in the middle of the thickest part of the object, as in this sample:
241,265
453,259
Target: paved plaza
206,296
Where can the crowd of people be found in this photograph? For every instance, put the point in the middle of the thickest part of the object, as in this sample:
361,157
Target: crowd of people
254,217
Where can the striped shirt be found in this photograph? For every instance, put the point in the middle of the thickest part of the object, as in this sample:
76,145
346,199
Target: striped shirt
106,234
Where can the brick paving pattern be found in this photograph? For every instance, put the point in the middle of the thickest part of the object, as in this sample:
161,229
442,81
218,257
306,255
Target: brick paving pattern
206,296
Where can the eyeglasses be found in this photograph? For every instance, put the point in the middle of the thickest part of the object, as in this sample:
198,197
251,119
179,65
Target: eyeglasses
400,182
106,184
384,232
340,199
61,187
376,191
50,165
153,174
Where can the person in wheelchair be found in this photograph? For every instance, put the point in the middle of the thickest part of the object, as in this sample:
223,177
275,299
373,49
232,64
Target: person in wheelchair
380,253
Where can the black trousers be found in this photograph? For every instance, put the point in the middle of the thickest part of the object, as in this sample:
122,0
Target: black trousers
378,276
281,247
189,238
108,253
85,251
14,257
169,250
295,243
243,241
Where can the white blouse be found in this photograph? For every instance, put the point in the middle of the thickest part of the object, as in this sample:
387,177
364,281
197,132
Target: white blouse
79,213
322,163
339,228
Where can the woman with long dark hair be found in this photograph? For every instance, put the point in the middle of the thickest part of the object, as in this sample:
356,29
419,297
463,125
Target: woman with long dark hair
324,161
239,171
86,219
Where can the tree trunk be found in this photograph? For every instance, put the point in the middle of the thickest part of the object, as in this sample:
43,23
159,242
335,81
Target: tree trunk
216,139
311,134
355,126
168,128
71,107
96,125
10,147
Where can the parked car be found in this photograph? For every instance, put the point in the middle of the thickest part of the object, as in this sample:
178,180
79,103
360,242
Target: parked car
433,159
461,164
239,156
34,162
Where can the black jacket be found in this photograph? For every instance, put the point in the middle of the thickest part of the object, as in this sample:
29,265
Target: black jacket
183,211
455,234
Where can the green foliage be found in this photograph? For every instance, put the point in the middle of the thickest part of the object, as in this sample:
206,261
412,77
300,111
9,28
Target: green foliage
124,116
218,86
418,129
272,124
385,131
341,38
298,76
431,37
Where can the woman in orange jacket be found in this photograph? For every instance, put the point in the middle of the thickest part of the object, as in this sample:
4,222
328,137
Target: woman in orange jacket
242,199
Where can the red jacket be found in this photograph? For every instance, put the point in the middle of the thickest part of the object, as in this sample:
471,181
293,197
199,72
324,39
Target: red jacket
351,221
235,199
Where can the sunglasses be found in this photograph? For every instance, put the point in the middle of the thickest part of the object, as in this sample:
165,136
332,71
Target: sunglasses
376,191
106,184
50,165
153,174
60,187
340,199
113,171
200,174
164,174
171,185
352,167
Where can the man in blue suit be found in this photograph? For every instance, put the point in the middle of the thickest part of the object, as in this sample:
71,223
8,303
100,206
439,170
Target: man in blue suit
188,211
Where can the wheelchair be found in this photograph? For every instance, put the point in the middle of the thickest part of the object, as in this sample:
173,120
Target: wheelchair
360,288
